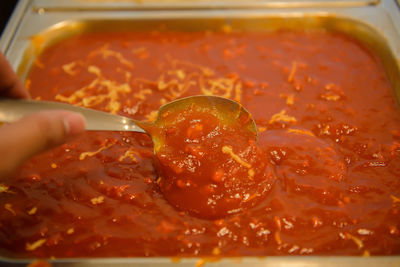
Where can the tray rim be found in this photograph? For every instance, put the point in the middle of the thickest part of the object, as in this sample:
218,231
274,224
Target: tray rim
8,38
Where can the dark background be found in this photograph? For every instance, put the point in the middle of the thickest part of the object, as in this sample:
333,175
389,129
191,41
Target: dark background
6,9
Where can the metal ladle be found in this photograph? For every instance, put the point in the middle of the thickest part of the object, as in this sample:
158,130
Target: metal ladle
225,109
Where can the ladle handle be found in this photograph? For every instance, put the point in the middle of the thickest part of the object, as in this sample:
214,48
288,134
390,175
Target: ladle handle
14,109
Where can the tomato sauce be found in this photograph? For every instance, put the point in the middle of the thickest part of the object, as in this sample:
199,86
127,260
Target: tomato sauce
210,166
329,139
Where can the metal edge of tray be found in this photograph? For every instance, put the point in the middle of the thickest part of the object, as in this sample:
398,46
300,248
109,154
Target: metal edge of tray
12,24
124,5
393,8
254,261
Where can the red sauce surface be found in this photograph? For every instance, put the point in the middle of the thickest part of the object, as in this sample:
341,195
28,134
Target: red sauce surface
329,129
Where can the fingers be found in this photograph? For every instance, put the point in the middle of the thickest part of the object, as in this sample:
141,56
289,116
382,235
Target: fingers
10,85
36,133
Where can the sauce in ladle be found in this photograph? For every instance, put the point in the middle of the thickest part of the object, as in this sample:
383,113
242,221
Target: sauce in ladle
209,162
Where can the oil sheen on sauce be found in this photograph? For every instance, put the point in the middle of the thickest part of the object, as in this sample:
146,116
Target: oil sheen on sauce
329,132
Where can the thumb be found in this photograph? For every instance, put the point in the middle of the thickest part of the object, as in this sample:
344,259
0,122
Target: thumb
35,133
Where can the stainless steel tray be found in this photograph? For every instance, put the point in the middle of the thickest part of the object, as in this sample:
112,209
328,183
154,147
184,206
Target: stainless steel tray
373,22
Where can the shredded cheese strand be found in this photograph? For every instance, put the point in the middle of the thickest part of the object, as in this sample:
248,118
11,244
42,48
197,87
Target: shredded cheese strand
229,150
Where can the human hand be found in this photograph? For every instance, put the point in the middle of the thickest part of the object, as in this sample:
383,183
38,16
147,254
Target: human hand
35,133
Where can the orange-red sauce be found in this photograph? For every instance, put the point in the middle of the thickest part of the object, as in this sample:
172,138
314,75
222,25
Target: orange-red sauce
210,166
329,128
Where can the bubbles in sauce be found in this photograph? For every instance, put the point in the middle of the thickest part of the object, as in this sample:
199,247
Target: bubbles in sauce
306,164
